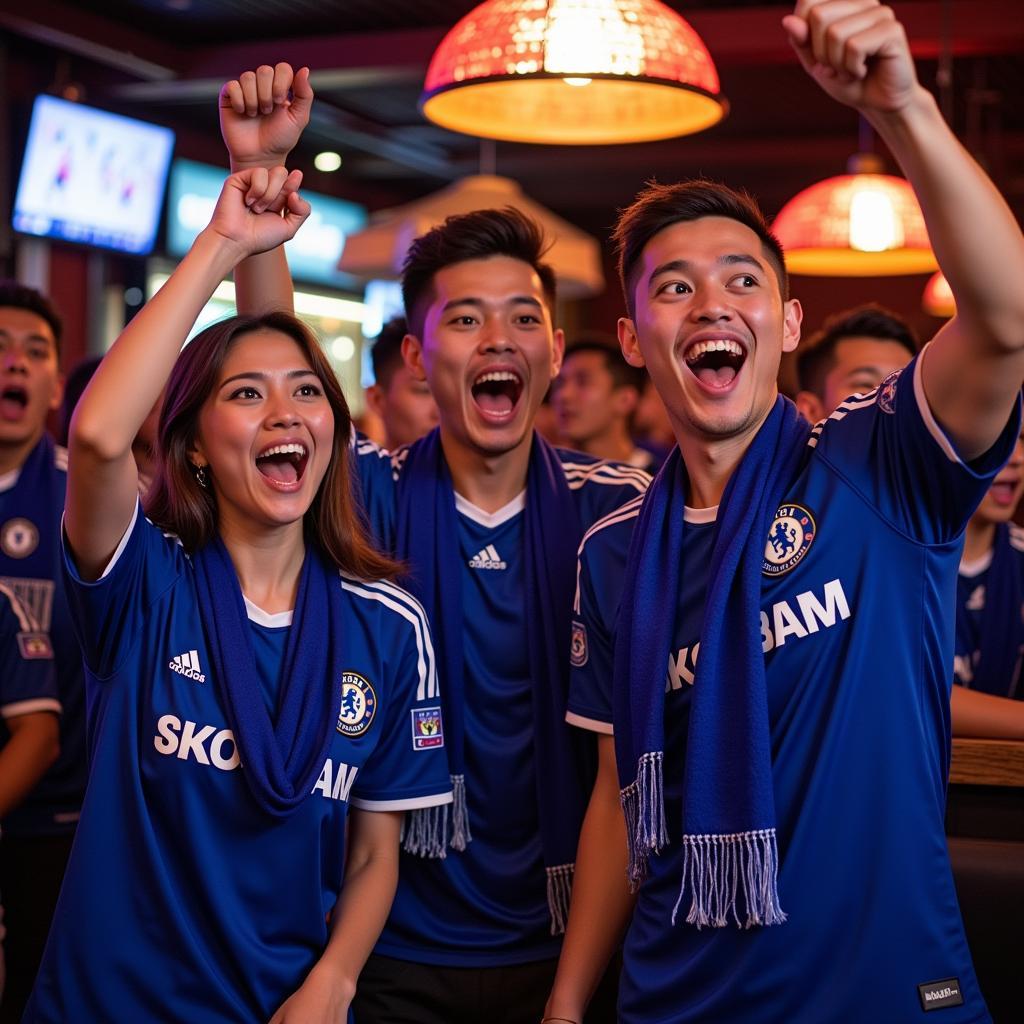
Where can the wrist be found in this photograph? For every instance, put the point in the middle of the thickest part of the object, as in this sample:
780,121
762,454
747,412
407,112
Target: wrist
222,252
268,162
920,109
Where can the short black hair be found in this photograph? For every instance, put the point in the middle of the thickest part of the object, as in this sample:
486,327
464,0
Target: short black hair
74,388
817,357
20,296
472,236
386,353
623,374
660,206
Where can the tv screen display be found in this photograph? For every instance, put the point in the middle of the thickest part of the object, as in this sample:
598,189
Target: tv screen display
92,177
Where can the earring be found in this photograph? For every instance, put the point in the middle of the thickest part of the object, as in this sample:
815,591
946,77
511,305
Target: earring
201,478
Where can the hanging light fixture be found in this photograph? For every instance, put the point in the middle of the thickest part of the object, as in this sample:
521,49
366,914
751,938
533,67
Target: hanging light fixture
861,224
576,72
937,299
378,251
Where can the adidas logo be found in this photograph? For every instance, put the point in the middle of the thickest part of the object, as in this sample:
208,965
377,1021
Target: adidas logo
487,558
976,602
187,665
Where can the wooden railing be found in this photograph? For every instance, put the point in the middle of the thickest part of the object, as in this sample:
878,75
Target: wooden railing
987,762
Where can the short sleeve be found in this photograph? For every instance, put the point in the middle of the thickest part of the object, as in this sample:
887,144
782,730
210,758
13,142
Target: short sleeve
109,612
28,682
591,659
408,767
890,448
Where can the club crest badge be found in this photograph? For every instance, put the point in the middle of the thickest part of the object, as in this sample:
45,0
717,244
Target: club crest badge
427,730
789,539
578,648
358,705
18,538
33,646
887,392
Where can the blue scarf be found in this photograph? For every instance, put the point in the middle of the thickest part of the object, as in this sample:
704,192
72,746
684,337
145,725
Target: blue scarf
729,843
282,756
428,540
999,631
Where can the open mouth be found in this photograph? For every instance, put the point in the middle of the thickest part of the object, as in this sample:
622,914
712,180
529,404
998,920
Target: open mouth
283,464
715,363
497,392
1003,491
13,402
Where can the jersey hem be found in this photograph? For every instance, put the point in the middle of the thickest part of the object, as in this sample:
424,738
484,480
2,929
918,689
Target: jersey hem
462,958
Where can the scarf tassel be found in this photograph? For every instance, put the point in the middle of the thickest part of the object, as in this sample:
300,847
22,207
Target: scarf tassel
425,831
559,895
716,867
643,804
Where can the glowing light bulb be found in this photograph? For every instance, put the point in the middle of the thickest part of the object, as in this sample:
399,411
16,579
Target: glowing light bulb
577,81
874,224
327,161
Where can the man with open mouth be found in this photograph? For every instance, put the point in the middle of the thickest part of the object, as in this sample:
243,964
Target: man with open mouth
782,793
33,471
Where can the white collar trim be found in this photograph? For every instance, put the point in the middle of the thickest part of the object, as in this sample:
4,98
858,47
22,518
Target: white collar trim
9,479
700,515
275,620
490,519
976,566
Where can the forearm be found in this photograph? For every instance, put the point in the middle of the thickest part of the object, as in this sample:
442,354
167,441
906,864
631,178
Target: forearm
975,236
985,716
31,749
601,903
371,878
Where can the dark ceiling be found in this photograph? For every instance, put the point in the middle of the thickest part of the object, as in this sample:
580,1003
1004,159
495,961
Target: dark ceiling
163,60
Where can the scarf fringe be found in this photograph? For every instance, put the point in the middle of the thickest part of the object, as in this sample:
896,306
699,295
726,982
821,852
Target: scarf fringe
461,836
643,804
424,831
559,896
717,866
429,831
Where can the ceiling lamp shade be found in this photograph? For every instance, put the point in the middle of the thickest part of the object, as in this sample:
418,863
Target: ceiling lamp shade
938,297
573,72
378,251
862,224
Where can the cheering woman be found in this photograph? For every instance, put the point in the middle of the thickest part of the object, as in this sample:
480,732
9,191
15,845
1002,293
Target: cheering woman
252,671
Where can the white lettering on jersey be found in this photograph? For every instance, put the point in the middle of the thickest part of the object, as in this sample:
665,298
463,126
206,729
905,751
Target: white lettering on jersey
785,622
204,743
343,776
682,667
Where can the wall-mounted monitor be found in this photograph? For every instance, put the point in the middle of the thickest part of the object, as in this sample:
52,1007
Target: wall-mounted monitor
92,177
313,253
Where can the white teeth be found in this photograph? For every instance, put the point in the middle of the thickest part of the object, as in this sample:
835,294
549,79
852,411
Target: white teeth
719,345
497,375
284,449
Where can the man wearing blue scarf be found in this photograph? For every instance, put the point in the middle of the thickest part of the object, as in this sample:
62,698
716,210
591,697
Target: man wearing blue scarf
488,516
769,653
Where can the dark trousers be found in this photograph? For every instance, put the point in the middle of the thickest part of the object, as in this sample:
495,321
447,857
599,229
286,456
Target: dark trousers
400,992
31,871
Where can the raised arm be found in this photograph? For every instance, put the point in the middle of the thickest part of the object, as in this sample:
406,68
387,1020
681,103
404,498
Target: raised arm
601,900
857,52
257,210
262,116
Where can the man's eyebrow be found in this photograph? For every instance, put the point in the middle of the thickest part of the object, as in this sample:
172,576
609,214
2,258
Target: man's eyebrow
29,337
515,300
730,259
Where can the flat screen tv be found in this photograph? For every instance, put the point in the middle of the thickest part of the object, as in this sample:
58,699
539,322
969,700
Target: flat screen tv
92,177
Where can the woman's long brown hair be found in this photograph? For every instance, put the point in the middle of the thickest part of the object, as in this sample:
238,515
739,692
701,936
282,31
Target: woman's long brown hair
175,501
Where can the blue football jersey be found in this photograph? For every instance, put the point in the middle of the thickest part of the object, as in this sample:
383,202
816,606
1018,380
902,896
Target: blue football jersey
31,505
183,901
971,595
857,631
28,683
487,905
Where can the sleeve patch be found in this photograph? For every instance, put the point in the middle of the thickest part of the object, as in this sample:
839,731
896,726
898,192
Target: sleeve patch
35,646
427,729
578,652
